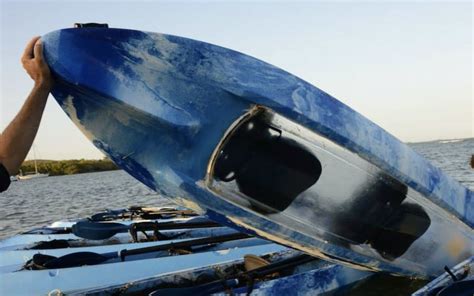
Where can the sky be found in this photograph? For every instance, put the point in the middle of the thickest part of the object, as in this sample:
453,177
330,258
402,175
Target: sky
407,66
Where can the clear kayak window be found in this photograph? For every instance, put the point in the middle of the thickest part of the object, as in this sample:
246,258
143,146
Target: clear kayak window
273,166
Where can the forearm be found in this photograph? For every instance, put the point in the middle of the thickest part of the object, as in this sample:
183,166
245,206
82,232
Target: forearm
17,138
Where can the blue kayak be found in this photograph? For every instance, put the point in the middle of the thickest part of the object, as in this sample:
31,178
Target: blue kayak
259,149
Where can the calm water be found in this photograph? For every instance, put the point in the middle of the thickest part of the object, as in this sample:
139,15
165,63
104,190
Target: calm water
35,203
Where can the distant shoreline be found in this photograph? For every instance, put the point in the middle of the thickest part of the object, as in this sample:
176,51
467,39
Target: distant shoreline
68,167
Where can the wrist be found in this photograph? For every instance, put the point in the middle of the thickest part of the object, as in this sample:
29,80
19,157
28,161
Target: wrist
43,84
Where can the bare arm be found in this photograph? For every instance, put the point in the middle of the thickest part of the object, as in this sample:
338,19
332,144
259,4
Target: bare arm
17,138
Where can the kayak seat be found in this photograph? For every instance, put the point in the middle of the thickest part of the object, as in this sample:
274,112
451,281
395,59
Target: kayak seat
403,228
377,200
276,173
268,168
389,224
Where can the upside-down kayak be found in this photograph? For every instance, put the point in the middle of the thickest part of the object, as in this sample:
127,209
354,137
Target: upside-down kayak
256,148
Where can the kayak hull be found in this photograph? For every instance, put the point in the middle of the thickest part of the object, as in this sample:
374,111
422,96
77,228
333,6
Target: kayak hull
168,110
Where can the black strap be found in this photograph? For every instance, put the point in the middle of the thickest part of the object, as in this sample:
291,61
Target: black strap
4,178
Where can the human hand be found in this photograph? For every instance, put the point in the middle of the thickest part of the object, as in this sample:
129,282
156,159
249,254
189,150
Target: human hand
34,64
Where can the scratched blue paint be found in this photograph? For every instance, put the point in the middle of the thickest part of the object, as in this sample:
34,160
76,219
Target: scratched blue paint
158,105
331,279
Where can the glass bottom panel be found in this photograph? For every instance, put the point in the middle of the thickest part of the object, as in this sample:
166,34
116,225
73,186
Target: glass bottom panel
272,166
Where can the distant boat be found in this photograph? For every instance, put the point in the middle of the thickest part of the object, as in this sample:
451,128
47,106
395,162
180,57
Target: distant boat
32,175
